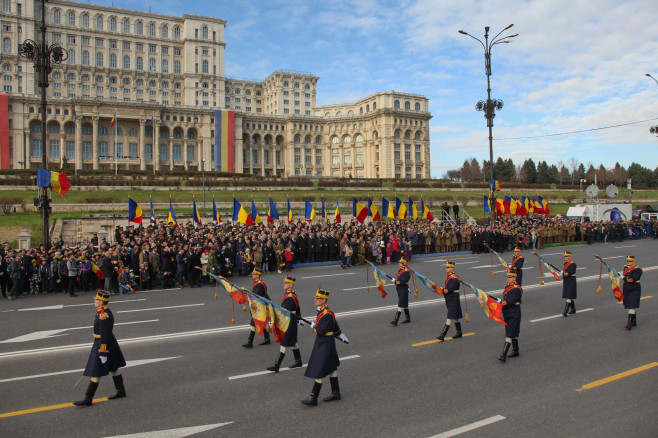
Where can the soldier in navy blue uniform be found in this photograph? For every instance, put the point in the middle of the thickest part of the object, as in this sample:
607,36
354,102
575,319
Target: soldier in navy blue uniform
290,303
324,357
402,288
257,288
569,290
105,356
517,264
632,290
451,296
512,316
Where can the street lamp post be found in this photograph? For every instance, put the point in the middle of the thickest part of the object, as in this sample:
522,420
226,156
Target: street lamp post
581,187
490,106
653,129
203,179
43,57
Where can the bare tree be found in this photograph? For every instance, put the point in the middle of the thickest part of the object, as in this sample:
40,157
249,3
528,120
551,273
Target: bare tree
573,164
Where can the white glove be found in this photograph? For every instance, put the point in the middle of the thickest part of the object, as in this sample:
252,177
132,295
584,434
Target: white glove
313,324
103,359
300,322
343,338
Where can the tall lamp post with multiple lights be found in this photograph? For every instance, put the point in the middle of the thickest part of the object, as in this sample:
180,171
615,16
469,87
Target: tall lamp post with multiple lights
491,105
653,129
43,57
203,178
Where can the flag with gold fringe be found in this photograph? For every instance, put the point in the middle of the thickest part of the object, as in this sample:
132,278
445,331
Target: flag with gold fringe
491,306
428,283
615,280
380,279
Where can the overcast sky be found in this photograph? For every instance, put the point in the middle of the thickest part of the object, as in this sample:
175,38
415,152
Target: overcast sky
576,65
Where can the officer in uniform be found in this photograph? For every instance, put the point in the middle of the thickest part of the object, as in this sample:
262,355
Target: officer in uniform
512,316
324,357
451,295
517,264
569,291
632,290
257,288
402,288
290,303
105,356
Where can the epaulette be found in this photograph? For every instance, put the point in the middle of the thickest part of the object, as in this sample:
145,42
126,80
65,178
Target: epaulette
102,315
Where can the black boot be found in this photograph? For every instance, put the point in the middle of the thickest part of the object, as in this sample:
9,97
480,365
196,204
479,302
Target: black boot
567,307
573,307
634,319
629,324
503,356
266,340
250,340
118,385
89,395
335,390
277,363
313,398
298,358
408,317
515,348
458,326
442,336
396,319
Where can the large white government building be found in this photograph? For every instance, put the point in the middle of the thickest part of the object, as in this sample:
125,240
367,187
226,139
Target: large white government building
164,77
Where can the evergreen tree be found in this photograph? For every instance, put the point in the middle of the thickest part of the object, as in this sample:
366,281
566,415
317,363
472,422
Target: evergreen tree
528,172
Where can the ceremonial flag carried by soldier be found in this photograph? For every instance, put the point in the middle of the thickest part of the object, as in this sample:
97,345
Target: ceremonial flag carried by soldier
280,319
258,306
380,279
238,295
502,260
555,271
491,306
428,283
615,280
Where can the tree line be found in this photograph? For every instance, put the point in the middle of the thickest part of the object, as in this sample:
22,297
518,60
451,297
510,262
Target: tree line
566,172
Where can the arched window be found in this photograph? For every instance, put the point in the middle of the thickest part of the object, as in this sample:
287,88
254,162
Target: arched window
164,33
177,67
139,82
318,139
125,26
417,136
113,24
396,134
53,128
151,64
165,66
126,62
204,32
350,113
358,138
396,104
285,84
361,110
347,139
152,83
164,84
36,128
204,66
113,60
70,128
87,129
71,58
178,133
119,131
407,105
191,134
417,106
126,81
70,18
139,63
139,28
71,76
407,135
334,140
151,29
57,16
6,45
102,130
176,33
99,22
85,21
85,57
307,139
368,108
132,132
99,59
297,138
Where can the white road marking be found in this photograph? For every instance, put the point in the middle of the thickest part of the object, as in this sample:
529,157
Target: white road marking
161,308
329,275
627,246
61,306
365,287
469,427
553,253
260,373
174,433
560,315
436,260
45,334
616,257
130,363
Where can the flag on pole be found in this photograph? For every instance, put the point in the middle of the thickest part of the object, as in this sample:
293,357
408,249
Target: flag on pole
494,185
309,211
324,211
487,209
272,212
196,217
114,120
96,270
491,306
134,211
254,213
289,211
428,283
400,208
57,181
380,279
215,214
171,220
152,213
240,215
280,318
75,118
413,210
373,212
236,294
615,280
387,209
359,212
337,212
425,211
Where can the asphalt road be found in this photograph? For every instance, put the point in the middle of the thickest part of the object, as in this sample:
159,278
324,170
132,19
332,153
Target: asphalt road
584,375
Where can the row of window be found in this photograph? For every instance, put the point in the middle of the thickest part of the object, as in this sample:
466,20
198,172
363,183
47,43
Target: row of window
87,129
110,150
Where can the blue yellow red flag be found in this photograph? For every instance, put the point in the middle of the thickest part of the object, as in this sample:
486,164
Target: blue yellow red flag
134,211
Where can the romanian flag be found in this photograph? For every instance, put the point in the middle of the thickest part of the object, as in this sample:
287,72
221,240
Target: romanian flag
260,313
289,211
114,120
425,211
225,140
494,185
615,281
413,210
240,214
428,283
280,318
487,208
538,207
196,217
309,211
215,213
500,208
491,306
171,220
544,206
337,212
512,205
520,207
254,213
272,212
359,212
152,214
387,209
96,270
380,279
373,212
324,211
400,208
129,288
235,293
57,181
506,204
134,212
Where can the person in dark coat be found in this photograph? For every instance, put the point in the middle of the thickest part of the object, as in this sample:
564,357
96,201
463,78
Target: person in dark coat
512,316
517,265
402,288
257,288
632,290
105,356
451,295
324,357
290,303
569,291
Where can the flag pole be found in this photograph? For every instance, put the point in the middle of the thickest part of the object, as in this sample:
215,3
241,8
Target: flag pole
116,163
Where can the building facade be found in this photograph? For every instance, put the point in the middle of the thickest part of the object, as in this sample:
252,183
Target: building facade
139,91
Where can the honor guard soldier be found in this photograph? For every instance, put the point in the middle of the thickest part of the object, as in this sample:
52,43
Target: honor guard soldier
451,295
517,265
290,303
105,356
632,290
402,288
258,288
569,291
324,357
512,316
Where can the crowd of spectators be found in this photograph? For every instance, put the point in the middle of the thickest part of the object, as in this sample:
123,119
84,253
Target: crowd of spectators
162,256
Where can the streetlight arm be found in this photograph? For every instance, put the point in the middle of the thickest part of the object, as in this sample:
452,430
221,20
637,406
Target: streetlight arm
476,39
498,34
649,75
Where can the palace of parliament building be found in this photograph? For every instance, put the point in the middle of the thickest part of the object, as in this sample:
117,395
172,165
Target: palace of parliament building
144,91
